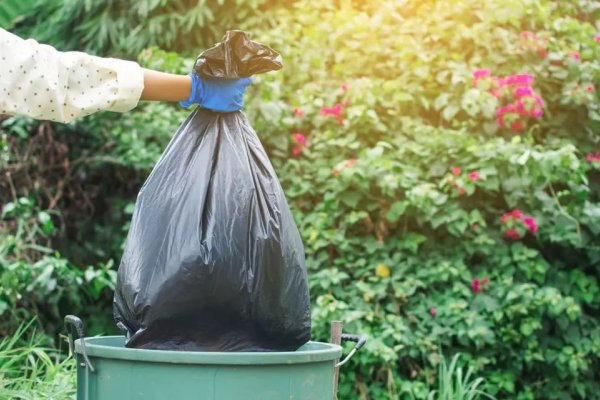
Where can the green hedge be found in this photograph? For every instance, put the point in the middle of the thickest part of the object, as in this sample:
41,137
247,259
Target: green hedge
429,224
401,203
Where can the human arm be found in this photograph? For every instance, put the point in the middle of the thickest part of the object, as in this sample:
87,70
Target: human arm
165,87
38,81
217,94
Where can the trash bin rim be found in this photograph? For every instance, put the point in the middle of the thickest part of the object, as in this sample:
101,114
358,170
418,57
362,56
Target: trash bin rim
113,347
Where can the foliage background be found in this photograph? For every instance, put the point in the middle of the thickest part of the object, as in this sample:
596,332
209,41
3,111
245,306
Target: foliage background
393,244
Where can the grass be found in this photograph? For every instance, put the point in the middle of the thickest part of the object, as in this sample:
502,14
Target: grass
29,370
456,384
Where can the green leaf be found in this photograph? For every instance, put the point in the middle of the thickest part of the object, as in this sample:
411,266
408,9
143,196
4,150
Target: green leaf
44,217
270,111
396,211
3,307
8,210
522,160
441,101
46,222
526,328
11,11
450,112
412,241
351,199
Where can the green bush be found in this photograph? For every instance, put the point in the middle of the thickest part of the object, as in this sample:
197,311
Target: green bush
125,27
36,282
400,177
428,222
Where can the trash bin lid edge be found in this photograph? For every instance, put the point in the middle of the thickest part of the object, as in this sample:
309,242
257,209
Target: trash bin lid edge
112,347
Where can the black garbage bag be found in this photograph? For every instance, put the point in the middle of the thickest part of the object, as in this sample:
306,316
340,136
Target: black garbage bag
236,57
213,260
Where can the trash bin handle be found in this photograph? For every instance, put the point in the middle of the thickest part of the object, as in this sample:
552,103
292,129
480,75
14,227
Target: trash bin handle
360,342
71,321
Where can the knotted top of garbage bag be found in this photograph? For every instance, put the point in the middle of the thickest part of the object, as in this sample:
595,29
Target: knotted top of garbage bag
236,56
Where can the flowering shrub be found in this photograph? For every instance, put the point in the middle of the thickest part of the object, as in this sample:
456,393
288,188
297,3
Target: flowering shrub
406,165
410,205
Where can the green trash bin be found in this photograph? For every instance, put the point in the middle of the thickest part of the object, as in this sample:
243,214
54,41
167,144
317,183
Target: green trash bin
107,370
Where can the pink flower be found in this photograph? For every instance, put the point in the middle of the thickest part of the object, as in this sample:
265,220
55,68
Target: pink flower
524,91
298,112
526,102
509,108
485,280
525,108
300,139
456,171
531,224
593,157
335,111
433,311
521,108
575,55
536,112
517,214
589,88
476,285
344,87
474,176
519,80
511,216
512,234
481,73
527,35
514,216
500,122
597,38
500,82
461,191
517,126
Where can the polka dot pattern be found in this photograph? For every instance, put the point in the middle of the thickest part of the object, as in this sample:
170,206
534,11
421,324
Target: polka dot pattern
38,81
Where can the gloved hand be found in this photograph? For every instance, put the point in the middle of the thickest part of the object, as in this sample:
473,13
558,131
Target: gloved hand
221,95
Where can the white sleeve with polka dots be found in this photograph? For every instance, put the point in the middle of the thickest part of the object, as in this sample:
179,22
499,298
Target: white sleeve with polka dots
38,81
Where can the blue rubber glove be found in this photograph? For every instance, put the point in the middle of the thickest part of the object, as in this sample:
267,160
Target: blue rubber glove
221,95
